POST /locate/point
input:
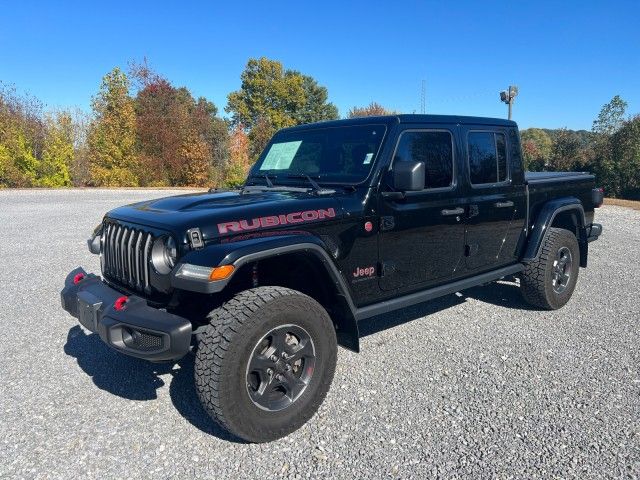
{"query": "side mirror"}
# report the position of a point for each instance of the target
(408, 176)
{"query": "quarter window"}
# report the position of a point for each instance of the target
(487, 157)
(435, 149)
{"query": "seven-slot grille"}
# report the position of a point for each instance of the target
(125, 255)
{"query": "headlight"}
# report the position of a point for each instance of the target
(94, 240)
(164, 254)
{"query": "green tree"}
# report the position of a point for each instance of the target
(280, 97)
(607, 145)
(374, 109)
(53, 169)
(267, 93)
(112, 134)
(611, 116)
(567, 152)
(317, 107)
(623, 179)
(271, 98)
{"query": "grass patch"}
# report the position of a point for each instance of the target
(634, 204)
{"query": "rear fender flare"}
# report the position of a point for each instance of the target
(543, 222)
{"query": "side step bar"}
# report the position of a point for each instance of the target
(426, 295)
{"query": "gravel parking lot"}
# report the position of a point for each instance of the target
(473, 385)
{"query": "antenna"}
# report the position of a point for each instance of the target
(423, 97)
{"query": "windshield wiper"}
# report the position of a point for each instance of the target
(266, 178)
(309, 179)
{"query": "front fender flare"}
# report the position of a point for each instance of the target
(246, 251)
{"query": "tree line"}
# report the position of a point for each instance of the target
(611, 150)
(145, 131)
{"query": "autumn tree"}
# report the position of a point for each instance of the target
(239, 162)
(374, 109)
(22, 134)
(57, 156)
(536, 148)
(259, 137)
(80, 167)
(181, 139)
(112, 134)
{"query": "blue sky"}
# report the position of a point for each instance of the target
(567, 57)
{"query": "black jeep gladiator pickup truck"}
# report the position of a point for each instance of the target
(337, 222)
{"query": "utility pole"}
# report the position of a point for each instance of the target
(423, 98)
(508, 96)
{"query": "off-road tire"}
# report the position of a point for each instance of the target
(227, 344)
(536, 282)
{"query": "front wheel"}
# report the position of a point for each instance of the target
(548, 281)
(265, 362)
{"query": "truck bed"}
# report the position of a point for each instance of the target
(544, 177)
(546, 186)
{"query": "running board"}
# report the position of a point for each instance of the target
(426, 295)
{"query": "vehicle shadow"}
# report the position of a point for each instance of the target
(504, 293)
(136, 379)
(378, 323)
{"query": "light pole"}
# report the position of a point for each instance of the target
(507, 96)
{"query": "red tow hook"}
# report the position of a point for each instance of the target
(78, 278)
(120, 302)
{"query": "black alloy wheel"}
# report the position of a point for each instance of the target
(265, 362)
(281, 367)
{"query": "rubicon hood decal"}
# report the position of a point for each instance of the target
(275, 220)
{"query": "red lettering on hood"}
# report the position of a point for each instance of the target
(273, 220)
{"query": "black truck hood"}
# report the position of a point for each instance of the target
(227, 213)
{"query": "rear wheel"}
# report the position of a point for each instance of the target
(548, 282)
(265, 362)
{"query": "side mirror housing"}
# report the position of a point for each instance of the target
(408, 176)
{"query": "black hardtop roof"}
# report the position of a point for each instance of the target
(408, 118)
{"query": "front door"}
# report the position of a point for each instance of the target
(422, 235)
(497, 204)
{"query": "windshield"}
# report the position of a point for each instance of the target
(331, 155)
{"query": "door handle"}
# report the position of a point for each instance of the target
(452, 211)
(503, 204)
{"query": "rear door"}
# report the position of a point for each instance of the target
(497, 204)
(422, 235)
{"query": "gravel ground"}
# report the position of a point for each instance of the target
(473, 385)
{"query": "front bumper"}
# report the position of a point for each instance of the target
(137, 329)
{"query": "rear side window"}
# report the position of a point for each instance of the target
(487, 157)
(434, 149)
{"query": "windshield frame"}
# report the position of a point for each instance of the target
(281, 178)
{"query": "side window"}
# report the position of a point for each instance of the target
(487, 157)
(435, 149)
